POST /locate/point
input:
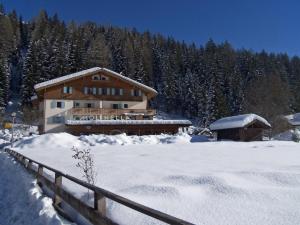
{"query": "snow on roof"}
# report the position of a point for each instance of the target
(88, 72)
(237, 121)
(294, 119)
(120, 122)
(67, 77)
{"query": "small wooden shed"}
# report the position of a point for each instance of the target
(246, 127)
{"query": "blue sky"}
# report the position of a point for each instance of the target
(270, 25)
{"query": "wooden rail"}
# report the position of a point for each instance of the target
(97, 213)
(104, 111)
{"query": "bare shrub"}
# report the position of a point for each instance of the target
(86, 164)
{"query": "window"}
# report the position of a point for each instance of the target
(90, 105)
(118, 91)
(60, 105)
(67, 90)
(104, 77)
(90, 90)
(113, 91)
(125, 106)
(58, 119)
(76, 104)
(115, 106)
(106, 91)
(86, 90)
(136, 93)
(96, 77)
(57, 104)
(94, 91)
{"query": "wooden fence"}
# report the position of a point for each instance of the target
(95, 214)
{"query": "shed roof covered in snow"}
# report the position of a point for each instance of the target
(91, 71)
(294, 119)
(238, 122)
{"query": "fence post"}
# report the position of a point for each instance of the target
(24, 161)
(29, 165)
(100, 203)
(39, 172)
(58, 184)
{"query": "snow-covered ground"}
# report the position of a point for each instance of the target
(204, 183)
(21, 201)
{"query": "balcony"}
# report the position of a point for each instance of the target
(100, 113)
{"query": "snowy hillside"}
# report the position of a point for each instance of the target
(204, 183)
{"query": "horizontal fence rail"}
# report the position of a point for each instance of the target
(97, 213)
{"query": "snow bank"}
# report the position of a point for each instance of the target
(65, 140)
(284, 136)
(236, 121)
(21, 199)
(204, 183)
(123, 139)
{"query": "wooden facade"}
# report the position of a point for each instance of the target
(78, 85)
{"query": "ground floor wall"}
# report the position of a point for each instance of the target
(140, 129)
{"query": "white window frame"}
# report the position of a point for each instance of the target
(67, 90)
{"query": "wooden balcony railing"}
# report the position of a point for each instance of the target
(108, 112)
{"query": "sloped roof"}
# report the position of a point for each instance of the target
(294, 119)
(237, 122)
(91, 71)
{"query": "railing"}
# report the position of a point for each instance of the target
(95, 214)
(117, 112)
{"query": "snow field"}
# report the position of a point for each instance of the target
(204, 183)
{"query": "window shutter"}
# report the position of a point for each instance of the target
(65, 90)
(140, 93)
(100, 91)
(121, 91)
(62, 105)
(53, 104)
(108, 91)
(132, 92)
(71, 90)
(113, 91)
